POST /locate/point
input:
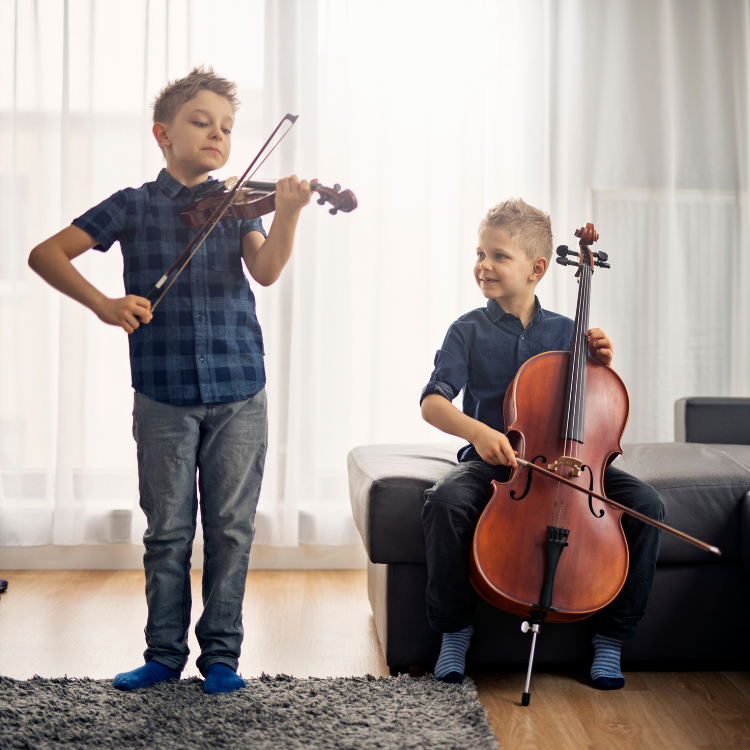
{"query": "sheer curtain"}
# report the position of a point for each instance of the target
(631, 114)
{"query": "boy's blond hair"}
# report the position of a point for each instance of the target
(169, 100)
(528, 226)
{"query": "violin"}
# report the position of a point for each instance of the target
(540, 550)
(254, 199)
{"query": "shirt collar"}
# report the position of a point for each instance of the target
(496, 313)
(173, 187)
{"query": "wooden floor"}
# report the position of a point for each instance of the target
(319, 623)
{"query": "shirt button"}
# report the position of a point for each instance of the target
(197, 277)
(200, 318)
(201, 358)
(521, 336)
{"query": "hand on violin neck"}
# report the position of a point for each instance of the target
(266, 259)
(292, 195)
(600, 345)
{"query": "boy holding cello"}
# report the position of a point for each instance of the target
(481, 355)
(197, 369)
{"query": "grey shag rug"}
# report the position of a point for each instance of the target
(280, 712)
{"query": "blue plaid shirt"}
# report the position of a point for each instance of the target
(204, 344)
(482, 352)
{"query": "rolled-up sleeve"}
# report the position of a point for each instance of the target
(105, 222)
(451, 370)
(252, 225)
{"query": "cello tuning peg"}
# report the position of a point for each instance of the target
(602, 264)
(601, 255)
(565, 262)
(562, 250)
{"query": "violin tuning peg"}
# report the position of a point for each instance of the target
(337, 187)
(321, 201)
(333, 211)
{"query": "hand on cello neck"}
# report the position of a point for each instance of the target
(600, 346)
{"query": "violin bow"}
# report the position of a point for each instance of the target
(634, 513)
(208, 227)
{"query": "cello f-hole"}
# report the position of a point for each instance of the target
(591, 489)
(528, 481)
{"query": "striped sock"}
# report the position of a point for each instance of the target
(605, 671)
(452, 660)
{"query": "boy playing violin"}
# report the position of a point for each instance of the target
(197, 370)
(480, 356)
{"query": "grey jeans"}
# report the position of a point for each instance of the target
(225, 444)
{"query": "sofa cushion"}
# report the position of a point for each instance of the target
(701, 487)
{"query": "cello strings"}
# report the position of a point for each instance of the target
(570, 400)
(567, 415)
(578, 365)
(582, 359)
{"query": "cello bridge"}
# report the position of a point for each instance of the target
(574, 463)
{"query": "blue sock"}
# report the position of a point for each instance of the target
(451, 663)
(222, 679)
(605, 671)
(151, 672)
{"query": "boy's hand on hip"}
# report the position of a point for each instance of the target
(600, 345)
(125, 312)
(292, 194)
(494, 448)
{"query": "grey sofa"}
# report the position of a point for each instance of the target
(699, 606)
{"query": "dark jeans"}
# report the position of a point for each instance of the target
(451, 512)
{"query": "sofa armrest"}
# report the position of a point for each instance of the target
(386, 488)
(745, 533)
(712, 420)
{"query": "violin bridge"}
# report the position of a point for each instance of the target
(574, 464)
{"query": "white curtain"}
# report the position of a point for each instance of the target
(631, 114)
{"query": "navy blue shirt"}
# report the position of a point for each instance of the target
(204, 344)
(482, 352)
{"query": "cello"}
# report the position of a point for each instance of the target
(540, 550)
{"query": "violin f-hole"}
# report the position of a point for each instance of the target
(528, 481)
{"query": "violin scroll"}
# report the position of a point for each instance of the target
(344, 201)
